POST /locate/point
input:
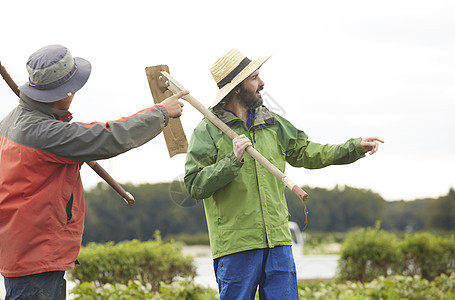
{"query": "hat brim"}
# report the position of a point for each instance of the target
(247, 71)
(70, 87)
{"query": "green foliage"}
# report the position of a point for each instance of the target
(136, 289)
(168, 208)
(109, 218)
(189, 239)
(186, 291)
(406, 215)
(441, 213)
(117, 291)
(369, 253)
(428, 255)
(393, 287)
(337, 210)
(152, 261)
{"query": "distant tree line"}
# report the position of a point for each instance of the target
(343, 209)
(168, 208)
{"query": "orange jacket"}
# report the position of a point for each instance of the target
(41, 194)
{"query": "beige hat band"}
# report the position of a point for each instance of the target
(228, 78)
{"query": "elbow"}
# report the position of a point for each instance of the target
(193, 191)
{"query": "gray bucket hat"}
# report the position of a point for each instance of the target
(54, 74)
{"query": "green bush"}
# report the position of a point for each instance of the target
(133, 290)
(136, 289)
(152, 261)
(393, 287)
(428, 255)
(369, 253)
(186, 291)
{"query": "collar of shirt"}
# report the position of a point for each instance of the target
(58, 114)
(249, 121)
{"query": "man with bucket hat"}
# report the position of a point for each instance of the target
(41, 193)
(246, 211)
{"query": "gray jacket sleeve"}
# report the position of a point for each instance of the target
(82, 142)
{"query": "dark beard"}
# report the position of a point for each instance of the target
(249, 99)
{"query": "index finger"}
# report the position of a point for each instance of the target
(182, 93)
(377, 139)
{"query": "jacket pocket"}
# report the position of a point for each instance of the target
(69, 207)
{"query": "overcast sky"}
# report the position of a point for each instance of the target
(339, 69)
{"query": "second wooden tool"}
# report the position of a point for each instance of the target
(176, 87)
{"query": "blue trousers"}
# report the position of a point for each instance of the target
(271, 269)
(46, 285)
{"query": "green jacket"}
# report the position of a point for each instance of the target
(244, 204)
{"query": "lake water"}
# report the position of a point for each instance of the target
(308, 267)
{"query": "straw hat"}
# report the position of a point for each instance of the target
(54, 74)
(232, 69)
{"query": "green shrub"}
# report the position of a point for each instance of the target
(393, 287)
(369, 253)
(186, 290)
(136, 289)
(133, 290)
(428, 255)
(152, 261)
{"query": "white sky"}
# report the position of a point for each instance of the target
(339, 69)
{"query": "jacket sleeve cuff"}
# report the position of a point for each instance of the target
(358, 149)
(234, 160)
(165, 113)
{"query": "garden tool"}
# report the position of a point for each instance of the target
(163, 83)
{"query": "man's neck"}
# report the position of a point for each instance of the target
(63, 104)
(240, 110)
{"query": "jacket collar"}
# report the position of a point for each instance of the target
(262, 116)
(57, 114)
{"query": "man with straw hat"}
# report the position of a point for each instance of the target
(41, 194)
(246, 211)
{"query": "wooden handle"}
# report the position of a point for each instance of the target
(296, 189)
(129, 199)
(93, 164)
(175, 87)
(9, 80)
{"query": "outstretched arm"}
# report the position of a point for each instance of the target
(369, 144)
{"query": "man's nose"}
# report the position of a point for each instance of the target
(260, 81)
